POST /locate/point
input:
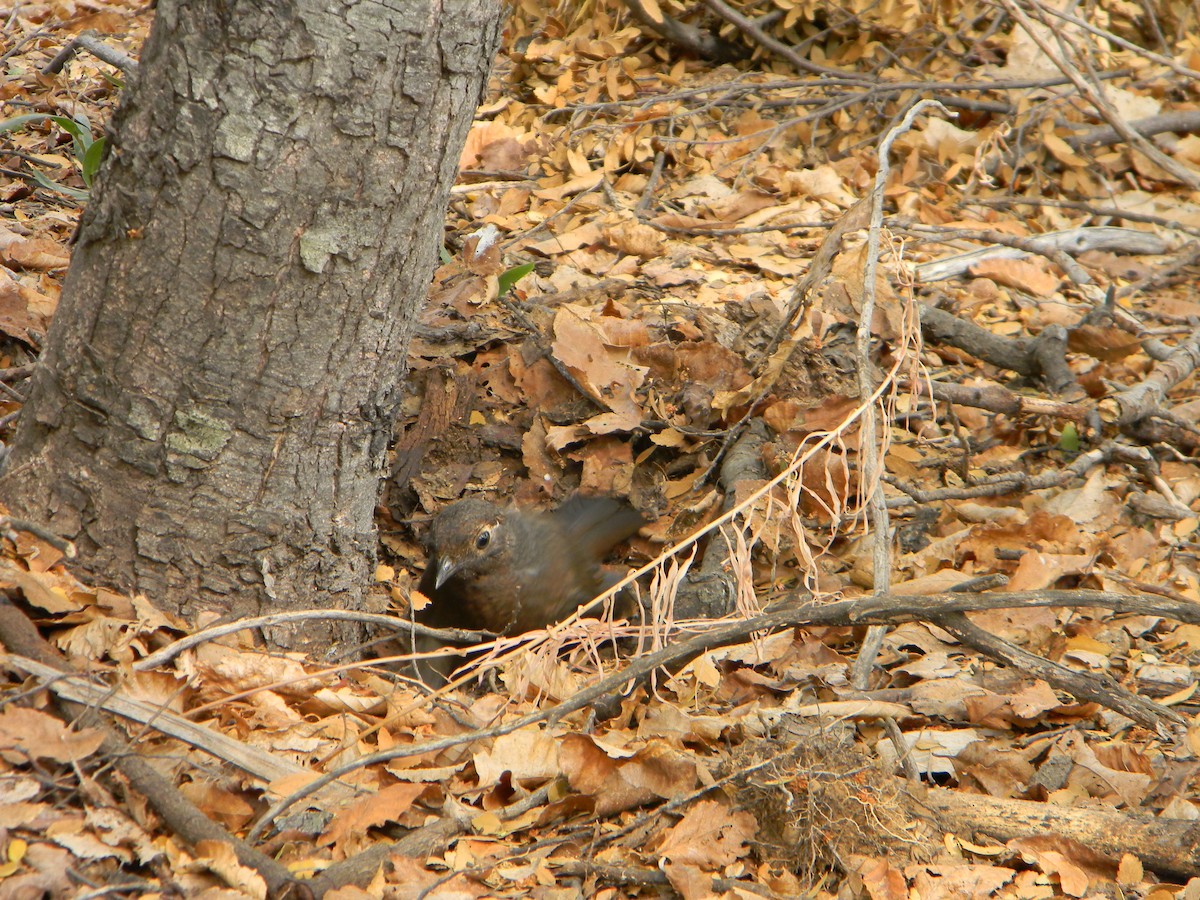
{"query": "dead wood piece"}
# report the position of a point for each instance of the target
(634, 876)
(774, 358)
(875, 507)
(606, 287)
(10, 526)
(1148, 397)
(1157, 507)
(394, 623)
(878, 609)
(1042, 357)
(702, 43)
(780, 49)
(448, 397)
(1002, 483)
(544, 348)
(1060, 54)
(18, 635)
(1102, 212)
(1167, 846)
(1186, 122)
(710, 592)
(617, 876)
(1049, 352)
(1170, 269)
(253, 760)
(16, 373)
(998, 399)
(1054, 245)
(90, 41)
(1102, 689)
(856, 217)
(361, 868)
(1153, 430)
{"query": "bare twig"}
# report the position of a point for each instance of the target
(870, 451)
(1054, 246)
(18, 635)
(90, 41)
(1092, 209)
(1187, 122)
(998, 399)
(1119, 41)
(1095, 95)
(879, 609)
(1147, 397)
(702, 43)
(1041, 357)
(1084, 687)
(780, 49)
(1007, 482)
(10, 526)
(395, 623)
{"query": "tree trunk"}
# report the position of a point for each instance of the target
(209, 419)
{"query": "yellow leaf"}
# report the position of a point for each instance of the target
(1130, 871)
(488, 823)
(307, 868)
(1179, 696)
(1062, 151)
(652, 10)
(16, 853)
(1193, 739)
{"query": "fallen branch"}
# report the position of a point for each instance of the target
(998, 399)
(882, 609)
(19, 636)
(1095, 94)
(1043, 357)
(1148, 397)
(253, 760)
(90, 41)
(871, 462)
(1187, 122)
(1168, 846)
(1054, 245)
(688, 37)
(1098, 689)
(780, 49)
(10, 526)
(395, 623)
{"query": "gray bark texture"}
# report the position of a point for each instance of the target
(210, 416)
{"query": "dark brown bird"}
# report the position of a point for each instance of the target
(509, 570)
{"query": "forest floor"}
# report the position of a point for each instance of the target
(654, 273)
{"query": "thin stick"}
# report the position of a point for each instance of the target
(91, 42)
(873, 468)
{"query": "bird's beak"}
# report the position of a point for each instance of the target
(446, 568)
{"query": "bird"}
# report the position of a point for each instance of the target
(509, 570)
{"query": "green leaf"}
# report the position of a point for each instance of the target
(80, 132)
(73, 193)
(78, 129)
(90, 164)
(21, 121)
(510, 277)
(1069, 441)
(88, 152)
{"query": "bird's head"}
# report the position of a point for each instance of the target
(464, 535)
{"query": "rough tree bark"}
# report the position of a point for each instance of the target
(208, 421)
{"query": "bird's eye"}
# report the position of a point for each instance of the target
(485, 538)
